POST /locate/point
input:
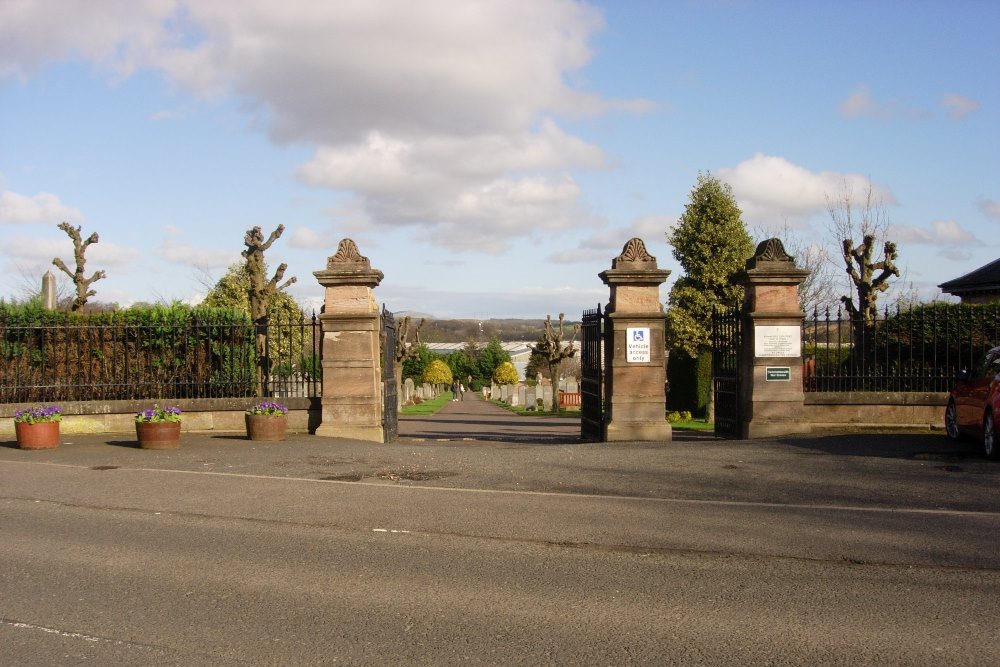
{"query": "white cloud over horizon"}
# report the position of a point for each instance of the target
(432, 115)
(773, 192)
(41, 208)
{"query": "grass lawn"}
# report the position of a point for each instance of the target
(427, 407)
(683, 425)
(693, 425)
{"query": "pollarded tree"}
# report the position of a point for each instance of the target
(552, 349)
(406, 349)
(80, 281)
(233, 291)
(505, 373)
(868, 271)
(437, 372)
(712, 244)
(261, 289)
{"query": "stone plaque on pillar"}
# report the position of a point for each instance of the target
(771, 396)
(352, 380)
(636, 377)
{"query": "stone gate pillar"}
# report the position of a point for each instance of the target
(771, 395)
(635, 375)
(352, 378)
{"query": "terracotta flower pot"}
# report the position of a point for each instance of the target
(158, 435)
(269, 428)
(40, 435)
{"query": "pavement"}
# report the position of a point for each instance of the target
(474, 444)
(483, 537)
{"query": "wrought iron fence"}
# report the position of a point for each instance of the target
(916, 349)
(87, 359)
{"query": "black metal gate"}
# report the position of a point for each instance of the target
(726, 349)
(390, 399)
(594, 332)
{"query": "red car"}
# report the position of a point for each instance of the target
(974, 404)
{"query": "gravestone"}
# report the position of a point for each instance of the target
(530, 398)
(547, 397)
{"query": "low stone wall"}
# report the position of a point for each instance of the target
(858, 410)
(204, 414)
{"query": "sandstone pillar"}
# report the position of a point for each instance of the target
(635, 378)
(352, 379)
(771, 396)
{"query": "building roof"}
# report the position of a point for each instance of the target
(984, 279)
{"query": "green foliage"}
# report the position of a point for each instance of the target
(690, 380)
(490, 358)
(505, 373)
(287, 352)
(437, 372)
(460, 365)
(674, 417)
(712, 245)
(414, 366)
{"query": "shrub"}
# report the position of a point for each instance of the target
(437, 372)
(690, 381)
(505, 373)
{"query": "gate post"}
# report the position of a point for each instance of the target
(771, 400)
(352, 380)
(635, 376)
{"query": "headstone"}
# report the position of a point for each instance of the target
(521, 389)
(49, 291)
(571, 386)
(409, 391)
(547, 397)
(530, 398)
(505, 393)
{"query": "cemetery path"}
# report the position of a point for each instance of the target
(478, 419)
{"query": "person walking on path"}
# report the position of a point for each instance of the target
(454, 390)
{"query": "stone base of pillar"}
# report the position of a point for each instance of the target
(351, 432)
(773, 429)
(648, 431)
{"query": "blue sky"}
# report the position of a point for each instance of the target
(489, 157)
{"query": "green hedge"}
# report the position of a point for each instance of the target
(690, 380)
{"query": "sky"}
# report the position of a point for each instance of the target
(489, 157)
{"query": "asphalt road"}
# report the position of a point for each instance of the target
(525, 548)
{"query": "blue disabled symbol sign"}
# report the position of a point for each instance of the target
(638, 349)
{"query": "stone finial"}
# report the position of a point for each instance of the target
(770, 254)
(347, 253)
(634, 252)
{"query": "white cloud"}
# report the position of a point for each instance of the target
(36, 254)
(941, 232)
(305, 238)
(39, 209)
(861, 104)
(990, 208)
(193, 256)
(773, 192)
(959, 106)
(606, 244)
(437, 114)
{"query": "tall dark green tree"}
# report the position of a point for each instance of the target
(712, 244)
(490, 357)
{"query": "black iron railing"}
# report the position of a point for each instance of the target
(87, 359)
(914, 349)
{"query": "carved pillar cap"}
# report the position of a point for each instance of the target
(348, 267)
(634, 266)
(771, 264)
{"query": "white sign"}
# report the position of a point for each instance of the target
(785, 341)
(638, 348)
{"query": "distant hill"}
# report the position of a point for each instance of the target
(463, 331)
